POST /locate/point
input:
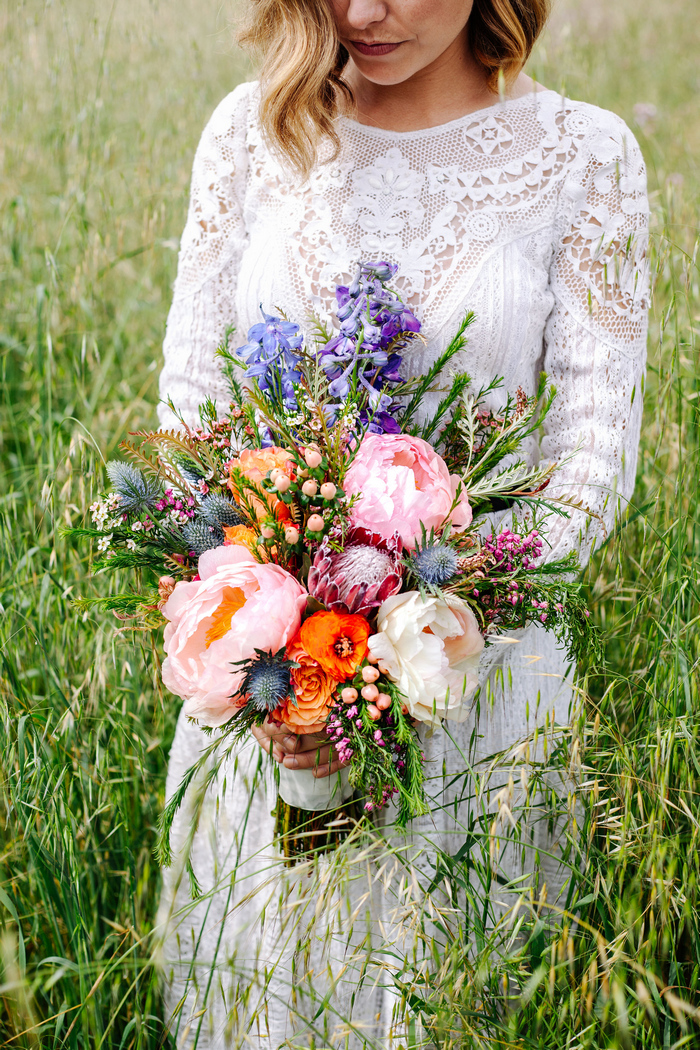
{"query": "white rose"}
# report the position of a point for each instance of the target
(431, 649)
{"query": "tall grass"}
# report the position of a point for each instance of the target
(101, 108)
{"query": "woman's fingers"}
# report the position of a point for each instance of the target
(317, 756)
(326, 771)
(269, 742)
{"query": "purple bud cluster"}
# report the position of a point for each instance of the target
(510, 551)
(357, 360)
(180, 508)
(269, 356)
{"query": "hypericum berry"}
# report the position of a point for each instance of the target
(283, 483)
(370, 674)
(328, 490)
(268, 532)
(291, 534)
(313, 458)
(348, 695)
(383, 701)
(315, 523)
(373, 712)
(310, 487)
(370, 692)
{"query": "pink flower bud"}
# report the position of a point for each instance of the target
(310, 487)
(370, 674)
(313, 458)
(328, 490)
(370, 692)
(348, 695)
(374, 713)
(291, 534)
(315, 523)
(267, 532)
(383, 701)
(282, 483)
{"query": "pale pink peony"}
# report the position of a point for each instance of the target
(403, 483)
(236, 607)
(431, 649)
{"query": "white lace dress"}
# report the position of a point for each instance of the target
(533, 214)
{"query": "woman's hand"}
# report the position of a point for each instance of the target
(308, 751)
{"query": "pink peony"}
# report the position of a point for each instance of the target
(236, 607)
(402, 483)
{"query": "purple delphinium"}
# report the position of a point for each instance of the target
(357, 359)
(270, 358)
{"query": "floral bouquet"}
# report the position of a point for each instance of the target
(321, 556)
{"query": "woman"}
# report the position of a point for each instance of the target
(402, 130)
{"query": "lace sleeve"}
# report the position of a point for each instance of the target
(210, 251)
(595, 336)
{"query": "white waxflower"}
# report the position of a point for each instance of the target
(137, 526)
(430, 647)
(104, 542)
(131, 545)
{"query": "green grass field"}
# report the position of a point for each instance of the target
(101, 107)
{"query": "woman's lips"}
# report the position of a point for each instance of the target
(374, 49)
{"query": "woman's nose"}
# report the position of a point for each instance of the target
(363, 13)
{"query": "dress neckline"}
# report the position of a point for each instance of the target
(436, 129)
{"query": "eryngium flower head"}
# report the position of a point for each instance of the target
(216, 510)
(435, 564)
(200, 536)
(136, 492)
(266, 682)
(360, 577)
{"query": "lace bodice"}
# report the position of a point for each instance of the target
(532, 213)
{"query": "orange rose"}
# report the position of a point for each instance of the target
(338, 641)
(255, 464)
(307, 710)
(241, 535)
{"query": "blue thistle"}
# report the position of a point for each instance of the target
(267, 680)
(199, 536)
(137, 493)
(434, 565)
(218, 511)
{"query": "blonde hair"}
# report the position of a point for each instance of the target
(302, 88)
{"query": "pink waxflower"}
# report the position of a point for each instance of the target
(403, 483)
(235, 607)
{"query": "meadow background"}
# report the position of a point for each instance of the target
(101, 107)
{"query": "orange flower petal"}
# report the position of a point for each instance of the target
(337, 641)
(234, 599)
(241, 535)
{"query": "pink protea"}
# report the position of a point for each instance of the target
(360, 577)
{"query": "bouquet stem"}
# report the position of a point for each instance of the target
(302, 833)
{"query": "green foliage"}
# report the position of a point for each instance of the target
(100, 114)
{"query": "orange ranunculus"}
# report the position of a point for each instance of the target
(338, 641)
(307, 710)
(255, 464)
(241, 535)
